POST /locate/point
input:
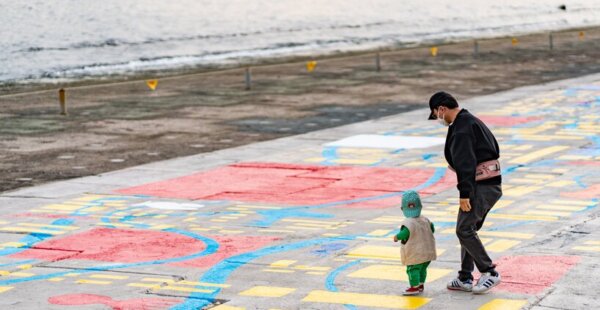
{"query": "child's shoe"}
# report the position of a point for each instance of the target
(421, 287)
(412, 291)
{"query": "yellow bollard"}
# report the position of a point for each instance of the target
(311, 65)
(581, 35)
(62, 99)
(434, 51)
(152, 84)
(514, 41)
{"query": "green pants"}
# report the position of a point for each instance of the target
(417, 273)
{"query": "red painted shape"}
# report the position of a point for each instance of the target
(291, 184)
(506, 121)
(588, 193)
(128, 304)
(532, 274)
(116, 245)
(228, 247)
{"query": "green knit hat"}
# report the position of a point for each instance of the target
(411, 204)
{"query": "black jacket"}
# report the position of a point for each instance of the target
(469, 142)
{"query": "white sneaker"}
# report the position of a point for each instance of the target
(457, 285)
(485, 283)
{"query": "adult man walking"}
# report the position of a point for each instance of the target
(472, 151)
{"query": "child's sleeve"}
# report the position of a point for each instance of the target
(432, 228)
(404, 234)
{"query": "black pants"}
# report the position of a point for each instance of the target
(472, 250)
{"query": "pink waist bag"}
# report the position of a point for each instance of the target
(486, 170)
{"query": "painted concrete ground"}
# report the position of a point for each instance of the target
(306, 222)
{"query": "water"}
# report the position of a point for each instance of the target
(55, 40)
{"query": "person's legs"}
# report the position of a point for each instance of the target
(469, 223)
(414, 275)
(466, 265)
(423, 274)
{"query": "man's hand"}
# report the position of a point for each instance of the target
(395, 238)
(465, 205)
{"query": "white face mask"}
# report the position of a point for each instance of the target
(442, 120)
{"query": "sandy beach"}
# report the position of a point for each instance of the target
(118, 122)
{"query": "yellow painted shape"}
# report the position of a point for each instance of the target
(587, 248)
(593, 242)
(521, 190)
(5, 288)
(303, 267)
(549, 213)
(185, 289)
(49, 226)
(72, 274)
(226, 307)
(13, 244)
(279, 270)
(304, 228)
(367, 300)
(62, 207)
(283, 263)
(379, 232)
(268, 291)
(25, 267)
(200, 229)
(501, 245)
(574, 202)
(4, 272)
(108, 276)
(574, 157)
(276, 230)
(160, 216)
(113, 224)
(84, 281)
(395, 273)
(562, 183)
(217, 220)
(561, 208)
(55, 279)
(331, 235)
(504, 304)
(32, 230)
(146, 285)
(521, 217)
(503, 204)
(316, 273)
(233, 232)
(95, 209)
(538, 154)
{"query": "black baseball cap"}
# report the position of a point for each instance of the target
(441, 98)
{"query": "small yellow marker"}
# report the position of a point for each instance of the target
(311, 65)
(434, 51)
(581, 35)
(152, 84)
(514, 41)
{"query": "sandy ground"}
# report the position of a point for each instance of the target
(121, 124)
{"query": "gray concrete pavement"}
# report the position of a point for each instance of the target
(306, 222)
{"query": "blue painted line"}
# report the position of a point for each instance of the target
(330, 280)
(221, 271)
(31, 239)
